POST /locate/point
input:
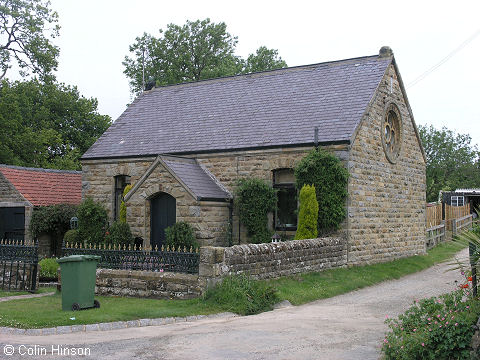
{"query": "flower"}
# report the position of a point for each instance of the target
(456, 324)
(414, 329)
(468, 307)
(469, 278)
(429, 319)
(161, 270)
(423, 344)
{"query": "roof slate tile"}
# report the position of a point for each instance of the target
(272, 108)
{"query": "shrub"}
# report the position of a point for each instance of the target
(53, 220)
(71, 237)
(308, 214)
(434, 328)
(123, 206)
(325, 171)
(254, 199)
(92, 222)
(48, 269)
(181, 234)
(243, 295)
(119, 233)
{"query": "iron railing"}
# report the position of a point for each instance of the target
(18, 265)
(135, 258)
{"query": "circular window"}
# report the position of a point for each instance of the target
(392, 133)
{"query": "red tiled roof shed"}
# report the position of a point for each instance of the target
(45, 186)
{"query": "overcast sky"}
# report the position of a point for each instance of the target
(96, 34)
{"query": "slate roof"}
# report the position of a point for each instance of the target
(267, 109)
(44, 186)
(202, 184)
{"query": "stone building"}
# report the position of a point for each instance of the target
(22, 189)
(183, 147)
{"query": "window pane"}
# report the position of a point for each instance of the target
(287, 206)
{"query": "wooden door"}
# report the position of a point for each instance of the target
(162, 215)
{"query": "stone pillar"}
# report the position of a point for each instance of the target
(210, 267)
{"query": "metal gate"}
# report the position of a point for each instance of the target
(18, 265)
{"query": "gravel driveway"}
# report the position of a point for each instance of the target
(349, 326)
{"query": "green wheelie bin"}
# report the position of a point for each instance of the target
(78, 273)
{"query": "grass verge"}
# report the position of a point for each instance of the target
(304, 288)
(15, 293)
(46, 311)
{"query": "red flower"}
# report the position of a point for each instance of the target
(464, 286)
(469, 278)
(107, 233)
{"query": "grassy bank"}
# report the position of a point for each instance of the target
(46, 311)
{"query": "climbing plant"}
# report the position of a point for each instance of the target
(254, 199)
(123, 206)
(326, 173)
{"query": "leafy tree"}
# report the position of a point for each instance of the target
(452, 160)
(195, 51)
(92, 222)
(308, 214)
(263, 59)
(46, 125)
(26, 30)
(326, 172)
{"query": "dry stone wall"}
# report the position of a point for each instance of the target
(386, 206)
(272, 260)
(148, 284)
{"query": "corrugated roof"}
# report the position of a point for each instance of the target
(274, 108)
(201, 184)
(44, 186)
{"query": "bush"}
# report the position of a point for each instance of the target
(243, 295)
(254, 199)
(119, 233)
(325, 171)
(181, 234)
(434, 328)
(53, 220)
(48, 269)
(123, 206)
(308, 214)
(71, 237)
(92, 222)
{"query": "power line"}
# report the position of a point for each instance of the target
(444, 60)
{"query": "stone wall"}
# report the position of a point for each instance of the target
(386, 205)
(148, 284)
(229, 167)
(272, 260)
(14, 276)
(210, 219)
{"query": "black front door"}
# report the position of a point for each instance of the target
(162, 215)
(12, 223)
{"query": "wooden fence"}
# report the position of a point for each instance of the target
(434, 215)
(463, 223)
(455, 212)
(435, 235)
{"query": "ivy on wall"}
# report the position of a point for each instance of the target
(326, 172)
(254, 199)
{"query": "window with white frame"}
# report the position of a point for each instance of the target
(458, 201)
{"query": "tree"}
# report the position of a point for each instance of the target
(263, 59)
(26, 30)
(46, 125)
(308, 214)
(195, 51)
(452, 161)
